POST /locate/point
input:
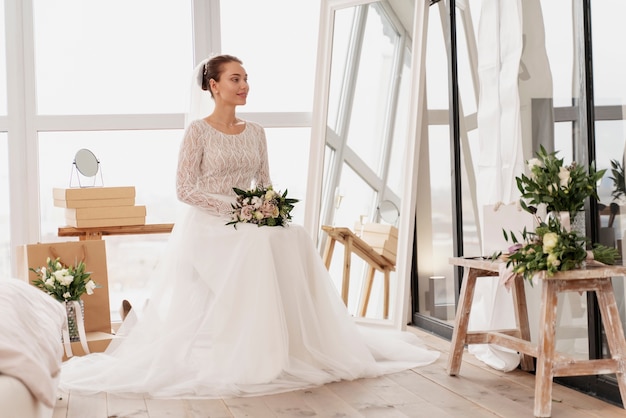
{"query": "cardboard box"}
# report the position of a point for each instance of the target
(387, 253)
(106, 212)
(382, 238)
(87, 193)
(96, 341)
(94, 203)
(375, 228)
(94, 223)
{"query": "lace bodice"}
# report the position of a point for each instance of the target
(212, 162)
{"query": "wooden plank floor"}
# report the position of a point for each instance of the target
(478, 391)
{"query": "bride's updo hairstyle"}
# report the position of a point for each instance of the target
(213, 69)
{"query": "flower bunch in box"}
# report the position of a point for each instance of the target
(64, 283)
(262, 206)
(562, 188)
(551, 249)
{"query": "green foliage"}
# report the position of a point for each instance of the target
(619, 183)
(64, 283)
(561, 188)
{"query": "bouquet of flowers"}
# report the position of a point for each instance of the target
(262, 206)
(561, 188)
(64, 283)
(551, 249)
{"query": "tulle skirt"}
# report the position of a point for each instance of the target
(239, 312)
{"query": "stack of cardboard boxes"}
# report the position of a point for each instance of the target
(92, 207)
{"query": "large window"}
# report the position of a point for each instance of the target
(278, 53)
(112, 57)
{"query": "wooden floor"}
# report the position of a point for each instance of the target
(478, 391)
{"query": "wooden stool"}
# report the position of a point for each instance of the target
(550, 364)
(354, 244)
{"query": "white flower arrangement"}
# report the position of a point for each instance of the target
(64, 283)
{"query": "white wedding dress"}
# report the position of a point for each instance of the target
(237, 311)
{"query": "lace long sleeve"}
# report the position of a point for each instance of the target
(190, 187)
(262, 177)
(211, 163)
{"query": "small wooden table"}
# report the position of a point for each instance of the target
(85, 234)
(354, 244)
(550, 364)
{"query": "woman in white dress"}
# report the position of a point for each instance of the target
(237, 311)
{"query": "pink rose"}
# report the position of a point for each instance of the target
(246, 213)
(269, 209)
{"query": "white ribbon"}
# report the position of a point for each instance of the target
(565, 220)
(65, 335)
(80, 325)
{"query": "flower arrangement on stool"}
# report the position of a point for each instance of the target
(563, 189)
(550, 249)
(555, 245)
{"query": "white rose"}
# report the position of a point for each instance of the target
(90, 286)
(269, 195)
(257, 202)
(63, 277)
(534, 162)
(550, 240)
(67, 295)
(553, 260)
(49, 282)
(564, 176)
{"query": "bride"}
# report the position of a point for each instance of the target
(236, 311)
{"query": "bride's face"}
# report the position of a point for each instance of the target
(233, 85)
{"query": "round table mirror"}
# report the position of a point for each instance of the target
(86, 162)
(388, 211)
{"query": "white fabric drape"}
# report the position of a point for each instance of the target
(501, 159)
(500, 138)
(513, 70)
